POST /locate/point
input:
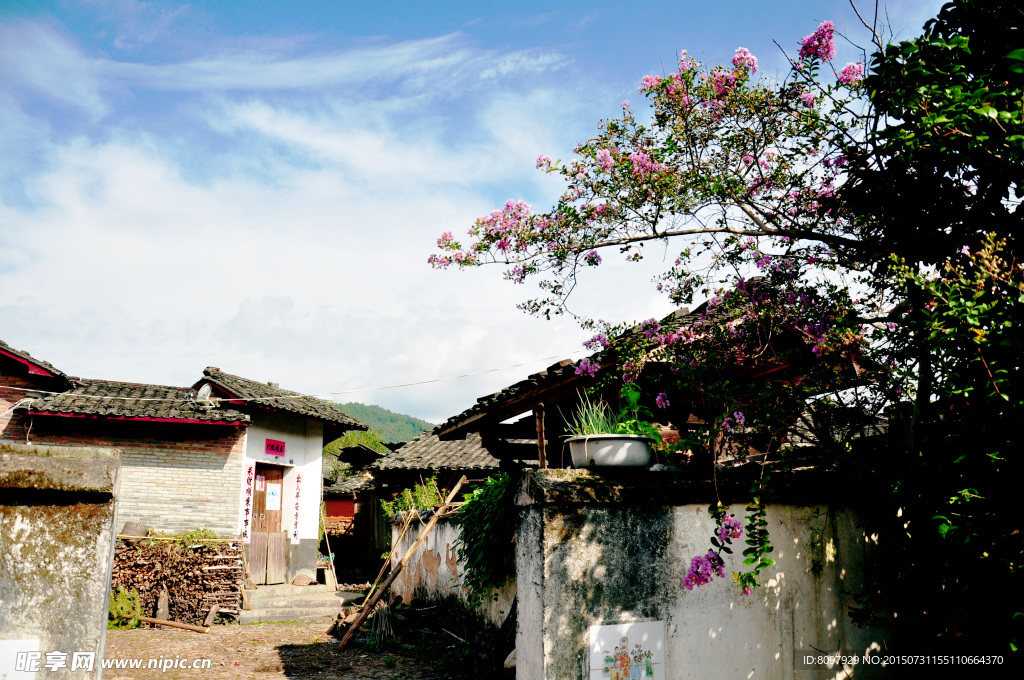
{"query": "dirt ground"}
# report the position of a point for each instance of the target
(299, 651)
(440, 640)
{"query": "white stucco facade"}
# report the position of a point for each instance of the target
(302, 438)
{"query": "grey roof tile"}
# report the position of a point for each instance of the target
(357, 482)
(427, 452)
(108, 398)
(274, 397)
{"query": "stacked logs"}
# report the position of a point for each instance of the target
(195, 577)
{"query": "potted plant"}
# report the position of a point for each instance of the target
(600, 437)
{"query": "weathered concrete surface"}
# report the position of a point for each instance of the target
(56, 468)
(57, 528)
(585, 560)
(434, 572)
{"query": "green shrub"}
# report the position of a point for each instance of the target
(423, 496)
(125, 609)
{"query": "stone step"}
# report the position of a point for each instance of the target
(324, 614)
(285, 589)
(331, 600)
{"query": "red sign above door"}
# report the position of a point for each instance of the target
(274, 448)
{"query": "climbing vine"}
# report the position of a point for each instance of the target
(486, 544)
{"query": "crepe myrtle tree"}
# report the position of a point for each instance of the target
(854, 233)
(741, 173)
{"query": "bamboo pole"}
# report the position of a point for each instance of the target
(369, 604)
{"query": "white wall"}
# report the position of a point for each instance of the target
(613, 564)
(303, 438)
(434, 571)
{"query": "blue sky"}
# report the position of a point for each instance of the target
(257, 185)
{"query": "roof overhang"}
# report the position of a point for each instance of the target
(33, 367)
(138, 419)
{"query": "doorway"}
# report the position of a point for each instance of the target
(268, 545)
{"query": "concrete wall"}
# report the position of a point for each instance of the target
(57, 526)
(600, 554)
(434, 572)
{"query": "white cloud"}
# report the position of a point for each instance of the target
(35, 56)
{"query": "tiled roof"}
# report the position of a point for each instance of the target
(427, 452)
(558, 379)
(26, 358)
(515, 399)
(132, 400)
(274, 397)
(355, 483)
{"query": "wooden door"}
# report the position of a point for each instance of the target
(268, 551)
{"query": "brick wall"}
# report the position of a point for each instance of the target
(174, 477)
(13, 426)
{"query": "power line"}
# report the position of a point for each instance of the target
(78, 395)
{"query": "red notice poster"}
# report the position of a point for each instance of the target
(274, 448)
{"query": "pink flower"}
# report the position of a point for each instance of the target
(662, 400)
(544, 162)
(643, 165)
(808, 98)
(625, 103)
(592, 258)
(852, 73)
(604, 159)
(586, 367)
(703, 569)
(820, 44)
(685, 63)
(649, 83)
(744, 59)
(730, 528)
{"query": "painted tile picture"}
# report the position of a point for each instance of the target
(628, 651)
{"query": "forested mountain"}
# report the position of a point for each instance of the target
(395, 427)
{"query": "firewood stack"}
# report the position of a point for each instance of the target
(196, 577)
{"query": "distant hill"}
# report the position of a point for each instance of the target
(396, 427)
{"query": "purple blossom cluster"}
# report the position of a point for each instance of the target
(643, 165)
(730, 529)
(662, 400)
(605, 160)
(649, 84)
(650, 328)
(744, 60)
(599, 340)
(852, 73)
(586, 367)
(703, 569)
(733, 421)
(820, 44)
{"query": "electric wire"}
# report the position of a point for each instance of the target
(297, 395)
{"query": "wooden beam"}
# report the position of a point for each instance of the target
(174, 624)
(538, 414)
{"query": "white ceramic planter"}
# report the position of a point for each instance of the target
(610, 449)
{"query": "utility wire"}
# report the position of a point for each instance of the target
(78, 395)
